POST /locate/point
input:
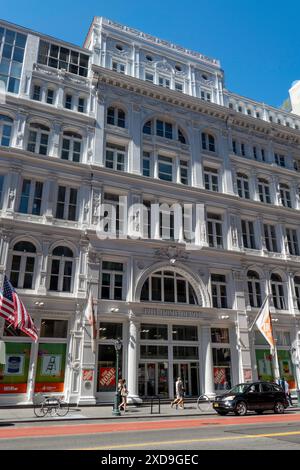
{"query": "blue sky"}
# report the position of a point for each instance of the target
(257, 42)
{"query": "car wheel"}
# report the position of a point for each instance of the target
(241, 409)
(223, 413)
(259, 412)
(278, 407)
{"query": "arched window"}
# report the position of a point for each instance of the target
(22, 265)
(38, 138)
(116, 117)
(61, 269)
(278, 292)
(71, 146)
(164, 129)
(6, 124)
(254, 289)
(208, 142)
(168, 286)
(147, 129)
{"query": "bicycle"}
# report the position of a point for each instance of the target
(204, 403)
(47, 405)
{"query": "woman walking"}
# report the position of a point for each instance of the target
(179, 394)
(124, 393)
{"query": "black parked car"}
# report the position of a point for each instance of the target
(256, 396)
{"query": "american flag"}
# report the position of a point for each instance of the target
(14, 311)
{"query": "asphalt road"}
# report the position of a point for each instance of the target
(263, 432)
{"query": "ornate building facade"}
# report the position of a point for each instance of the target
(131, 119)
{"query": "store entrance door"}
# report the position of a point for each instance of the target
(189, 373)
(153, 379)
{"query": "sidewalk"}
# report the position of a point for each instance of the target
(26, 415)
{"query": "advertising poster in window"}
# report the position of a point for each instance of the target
(107, 379)
(14, 374)
(220, 378)
(264, 365)
(51, 363)
(286, 368)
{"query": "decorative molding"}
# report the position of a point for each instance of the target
(172, 253)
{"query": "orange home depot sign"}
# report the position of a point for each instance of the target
(87, 375)
(107, 376)
(49, 387)
(219, 375)
(13, 388)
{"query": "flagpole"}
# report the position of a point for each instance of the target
(274, 353)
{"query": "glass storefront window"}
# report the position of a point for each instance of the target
(185, 352)
(154, 332)
(153, 379)
(110, 330)
(54, 329)
(220, 335)
(222, 368)
(14, 374)
(185, 333)
(50, 371)
(107, 368)
(149, 352)
(283, 338)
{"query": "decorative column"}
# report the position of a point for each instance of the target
(5, 237)
(133, 350)
(55, 139)
(209, 388)
(134, 157)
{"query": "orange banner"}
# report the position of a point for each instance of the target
(13, 388)
(49, 387)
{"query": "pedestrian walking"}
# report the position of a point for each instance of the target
(287, 392)
(179, 400)
(124, 394)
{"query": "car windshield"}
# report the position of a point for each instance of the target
(240, 388)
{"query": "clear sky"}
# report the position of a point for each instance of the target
(256, 41)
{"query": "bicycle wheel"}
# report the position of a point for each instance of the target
(204, 403)
(40, 410)
(62, 408)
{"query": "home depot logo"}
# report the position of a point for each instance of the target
(107, 376)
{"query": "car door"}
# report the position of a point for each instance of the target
(253, 397)
(268, 396)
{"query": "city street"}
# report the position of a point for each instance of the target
(179, 433)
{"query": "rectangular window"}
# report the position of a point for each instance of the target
(184, 333)
(248, 234)
(222, 368)
(111, 224)
(214, 226)
(60, 57)
(31, 197)
(218, 288)
(146, 164)
(270, 238)
(68, 101)
(211, 179)
(165, 168)
(154, 332)
(149, 77)
(115, 157)
(66, 203)
(36, 93)
(243, 186)
(54, 329)
(292, 241)
(12, 48)
(112, 280)
(50, 96)
(184, 168)
(220, 335)
(185, 352)
(118, 67)
(179, 87)
(81, 105)
(264, 191)
(279, 159)
(151, 352)
(109, 330)
(165, 82)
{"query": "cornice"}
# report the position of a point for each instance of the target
(193, 104)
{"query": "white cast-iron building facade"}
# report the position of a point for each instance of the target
(130, 119)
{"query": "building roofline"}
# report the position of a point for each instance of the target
(8, 24)
(153, 40)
